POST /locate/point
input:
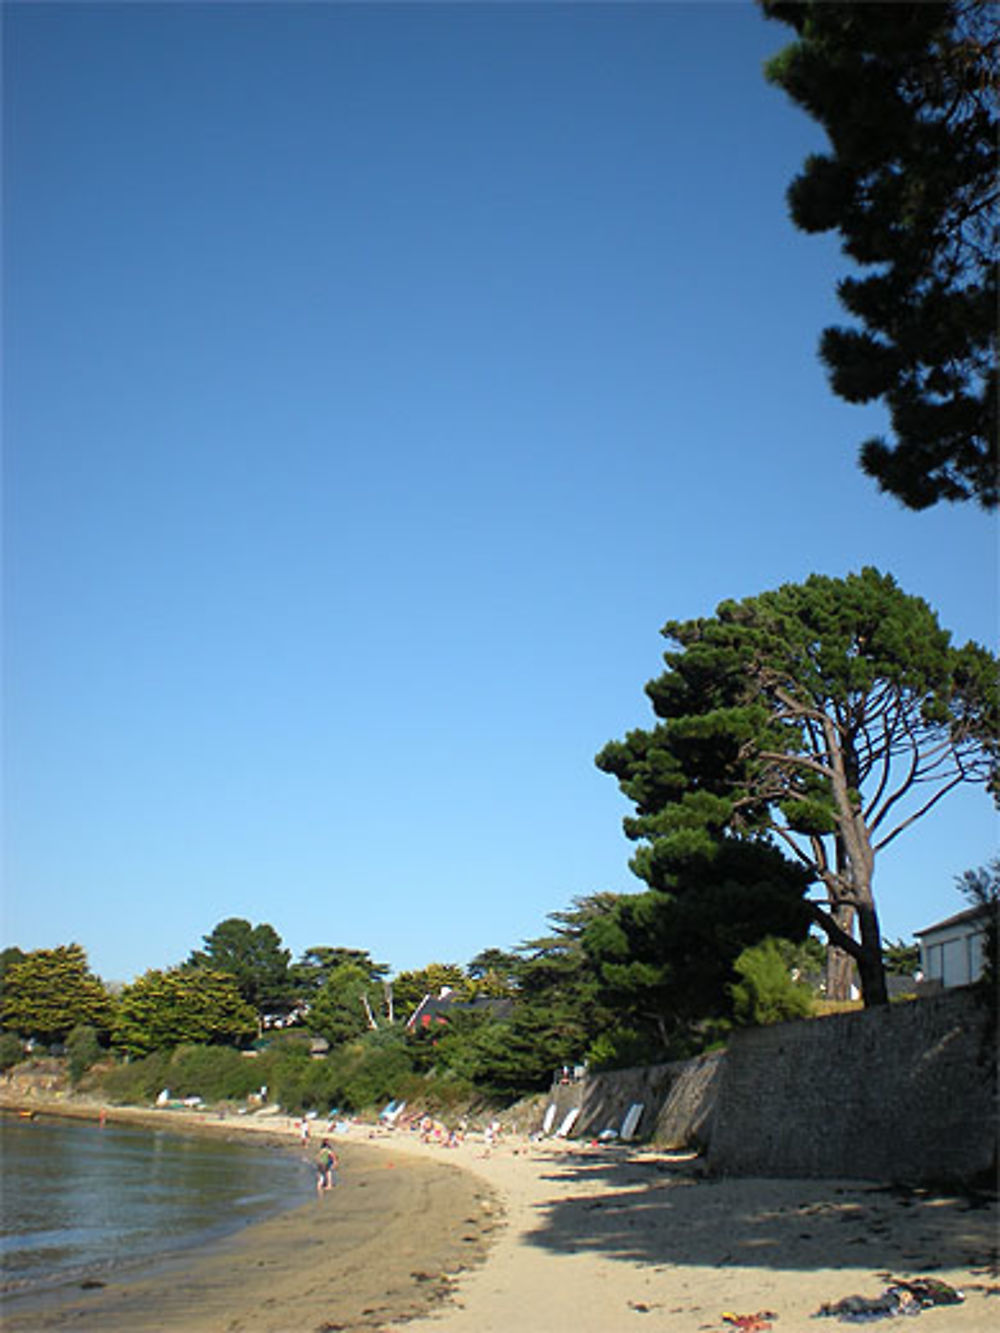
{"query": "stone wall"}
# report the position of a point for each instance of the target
(901, 1093)
(686, 1116)
(677, 1101)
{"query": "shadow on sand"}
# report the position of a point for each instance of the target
(659, 1211)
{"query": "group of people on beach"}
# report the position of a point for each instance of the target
(433, 1131)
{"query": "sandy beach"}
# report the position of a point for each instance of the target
(600, 1239)
(553, 1236)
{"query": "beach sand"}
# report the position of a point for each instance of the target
(599, 1240)
(388, 1241)
(577, 1239)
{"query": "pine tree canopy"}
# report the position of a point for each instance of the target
(823, 718)
(907, 95)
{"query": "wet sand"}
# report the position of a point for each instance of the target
(388, 1242)
(577, 1238)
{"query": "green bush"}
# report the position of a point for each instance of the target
(371, 1070)
(281, 1067)
(82, 1050)
(354, 1077)
(215, 1073)
(11, 1050)
(766, 992)
(623, 1048)
(137, 1081)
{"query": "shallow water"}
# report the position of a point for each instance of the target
(78, 1201)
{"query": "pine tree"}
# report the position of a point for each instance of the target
(907, 95)
(824, 719)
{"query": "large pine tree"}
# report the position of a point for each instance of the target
(823, 718)
(907, 94)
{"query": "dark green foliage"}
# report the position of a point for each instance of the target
(11, 1051)
(666, 957)
(345, 1005)
(371, 1071)
(494, 972)
(622, 1047)
(216, 1073)
(805, 957)
(766, 991)
(823, 717)
(505, 1057)
(8, 957)
(901, 959)
(318, 963)
(557, 1013)
(311, 1085)
(357, 1075)
(83, 1049)
(138, 1081)
(561, 1003)
(48, 992)
(907, 95)
(163, 1010)
(253, 956)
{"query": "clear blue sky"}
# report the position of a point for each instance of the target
(378, 380)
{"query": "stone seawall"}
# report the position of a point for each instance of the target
(677, 1101)
(903, 1093)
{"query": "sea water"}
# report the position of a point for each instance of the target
(79, 1202)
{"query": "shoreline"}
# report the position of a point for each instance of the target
(575, 1238)
(350, 1260)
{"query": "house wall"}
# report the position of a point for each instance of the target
(954, 957)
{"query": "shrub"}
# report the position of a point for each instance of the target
(371, 1070)
(82, 1050)
(216, 1073)
(623, 1048)
(136, 1081)
(11, 1050)
(766, 992)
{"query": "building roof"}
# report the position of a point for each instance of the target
(434, 1008)
(970, 915)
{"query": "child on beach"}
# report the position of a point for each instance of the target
(326, 1168)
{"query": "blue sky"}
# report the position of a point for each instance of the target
(378, 380)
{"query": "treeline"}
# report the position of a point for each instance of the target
(511, 1017)
(796, 736)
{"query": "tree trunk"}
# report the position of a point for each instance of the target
(870, 964)
(856, 863)
(840, 969)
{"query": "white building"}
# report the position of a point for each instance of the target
(951, 952)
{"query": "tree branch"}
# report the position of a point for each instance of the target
(928, 805)
(833, 932)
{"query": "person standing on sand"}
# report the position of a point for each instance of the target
(326, 1168)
